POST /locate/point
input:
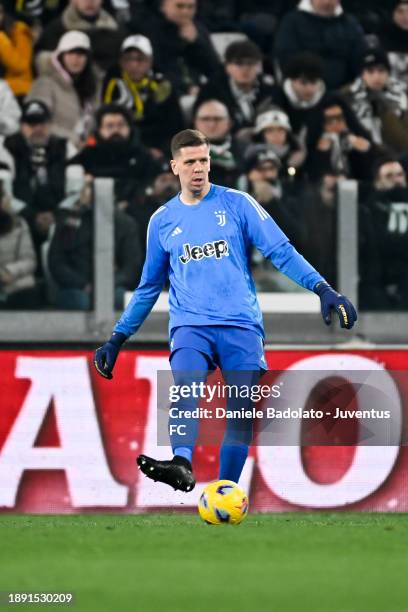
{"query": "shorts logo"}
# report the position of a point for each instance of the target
(217, 249)
(220, 214)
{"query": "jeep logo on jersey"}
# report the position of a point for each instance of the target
(217, 249)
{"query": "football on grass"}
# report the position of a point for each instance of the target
(223, 502)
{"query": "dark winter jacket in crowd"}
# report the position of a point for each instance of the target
(128, 162)
(319, 222)
(29, 11)
(281, 201)
(242, 108)
(300, 114)
(338, 40)
(180, 61)
(284, 211)
(105, 34)
(71, 252)
(152, 102)
(233, 15)
(383, 238)
(389, 214)
(39, 171)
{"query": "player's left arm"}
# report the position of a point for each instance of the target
(263, 232)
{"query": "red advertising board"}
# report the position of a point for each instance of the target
(68, 441)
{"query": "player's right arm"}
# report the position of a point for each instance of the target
(154, 275)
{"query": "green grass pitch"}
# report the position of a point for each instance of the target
(320, 562)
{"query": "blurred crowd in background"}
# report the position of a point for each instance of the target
(293, 96)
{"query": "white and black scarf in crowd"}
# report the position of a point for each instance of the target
(363, 103)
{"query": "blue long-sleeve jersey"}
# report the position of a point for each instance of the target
(204, 251)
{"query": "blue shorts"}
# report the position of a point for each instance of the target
(226, 346)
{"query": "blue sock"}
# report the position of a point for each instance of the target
(184, 451)
(232, 460)
(188, 365)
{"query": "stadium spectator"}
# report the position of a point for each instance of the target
(10, 111)
(17, 259)
(116, 152)
(89, 17)
(70, 256)
(302, 90)
(383, 236)
(255, 18)
(39, 167)
(68, 86)
(262, 181)
(394, 39)
(37, 13)
(273, 7)
(243, 15)
(213, 120)
(322, 27)
(220, 16)
(380, 102)
(164, 187)
(272, 127)
(16, 49)
(242, 86)
(338, 143)
(319, 211)
(149, 96)
(183, 51)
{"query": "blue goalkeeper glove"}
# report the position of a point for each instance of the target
(331, 300)
(106, 355)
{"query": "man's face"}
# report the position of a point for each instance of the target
(304, 88)
(334, 120)
(180, 12)
(400, 16)
(192, 166)
(89, 8)
(36, 134)
(114, 127)
(213, 120)
(136, 64)
(325, 8)
(376, 78)
(244, 72)
(390, 175)
(274, 135)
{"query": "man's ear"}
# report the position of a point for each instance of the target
(173, 166)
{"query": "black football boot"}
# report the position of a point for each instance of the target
(177, 473)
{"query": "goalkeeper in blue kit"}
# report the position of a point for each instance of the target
(201, 240)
